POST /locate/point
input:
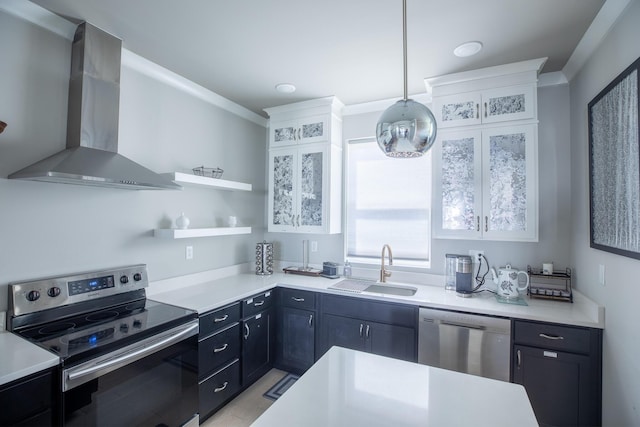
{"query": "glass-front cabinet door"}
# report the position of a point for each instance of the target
(299, 131)
(508, 103)
(457, 185)
(282, 203)
(485, 184)
(457, 110)
(298, 181)
(510, 183)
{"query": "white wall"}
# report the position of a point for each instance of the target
(48, 229)
(621, 370)
(554, 185)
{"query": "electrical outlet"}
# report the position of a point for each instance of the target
(314, 246)
(475, 255)
(188, 252)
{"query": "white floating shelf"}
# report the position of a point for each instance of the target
(174, 233)
(203, 181)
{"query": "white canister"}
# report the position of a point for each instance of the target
(232, 221)
(182, 222)
(547, 268)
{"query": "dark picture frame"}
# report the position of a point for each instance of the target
(614, 165)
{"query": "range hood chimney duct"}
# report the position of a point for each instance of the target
(91, 156)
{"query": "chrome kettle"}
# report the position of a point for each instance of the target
(507, 282)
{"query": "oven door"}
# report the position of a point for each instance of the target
(153, 382)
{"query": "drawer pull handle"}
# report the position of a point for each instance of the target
(310, 320)
(367, 333)
(519, 359)
(361, 326)
(258, 304)
(296, 299)
(219, 349)
(246, 329)
(221, 319)
(219, 389)
(551, 337)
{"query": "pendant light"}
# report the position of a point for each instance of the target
(407, 128)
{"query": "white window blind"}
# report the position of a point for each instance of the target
(387, 201)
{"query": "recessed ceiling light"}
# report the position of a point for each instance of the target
(285, 88)
(467, 49)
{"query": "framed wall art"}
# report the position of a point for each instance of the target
(614, 165)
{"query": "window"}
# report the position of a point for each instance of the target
(387, 201)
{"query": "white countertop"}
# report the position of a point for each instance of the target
(19, 358)
(351, 388)
(213, 294)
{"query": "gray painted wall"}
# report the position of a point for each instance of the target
(48, 229)
(621, 370)
(554, 188)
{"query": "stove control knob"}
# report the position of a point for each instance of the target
(53, 292)
(33, 295)
(124, 280)
(137, 323)
(137, 277)
(124, 328)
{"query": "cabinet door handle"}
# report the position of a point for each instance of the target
(258, 304)
(296, 299)
(246, 331)
(298, 220)
(367, 332)
(485, 110)
(361, 326)
(478, 226)
(486, 223)
(551, 337)
(219, 349)
(310, 320)
(221, 319)
(477, 111)
(519, 357)
(219, 389)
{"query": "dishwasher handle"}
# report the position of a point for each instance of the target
(463, 325)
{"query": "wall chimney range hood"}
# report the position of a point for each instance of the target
(91, 155)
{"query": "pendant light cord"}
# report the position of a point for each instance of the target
(404, 45)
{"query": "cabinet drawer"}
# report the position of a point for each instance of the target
(358, 308)
(35, 410)
(219, 349)
(257, 303)
(552, 336)
(219, 319)
(304, 300)
(219, 388)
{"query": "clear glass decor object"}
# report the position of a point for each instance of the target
(406, 129)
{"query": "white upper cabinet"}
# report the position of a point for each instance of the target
(306, 130)
(490, 106)
(486, 153)
(305, 167)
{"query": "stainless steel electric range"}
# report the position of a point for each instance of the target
(125, 360)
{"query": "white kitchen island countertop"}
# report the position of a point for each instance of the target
(19, 358)
(350, 388)
(209, 295)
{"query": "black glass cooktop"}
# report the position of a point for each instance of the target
(102, 330)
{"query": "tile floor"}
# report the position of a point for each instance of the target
(247, 406)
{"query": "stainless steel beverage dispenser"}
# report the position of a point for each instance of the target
(459, 274)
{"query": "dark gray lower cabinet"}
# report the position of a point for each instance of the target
(561, 369)
(257, 345)
(29, 401)
(387, 329)
(296, 330)
(218, 358)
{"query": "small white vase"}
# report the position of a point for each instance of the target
(182, 222)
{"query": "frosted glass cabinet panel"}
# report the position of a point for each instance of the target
(300, 180)
(488, 106)
(458, 184)
(486, 184)
(300, 131)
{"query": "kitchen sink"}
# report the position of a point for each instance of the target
(359, 286)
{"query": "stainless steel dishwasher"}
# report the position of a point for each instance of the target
(474, 344)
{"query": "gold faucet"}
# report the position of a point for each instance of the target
(384, 273)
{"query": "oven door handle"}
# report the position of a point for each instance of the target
(136, 354)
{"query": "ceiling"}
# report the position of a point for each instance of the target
(352, 49)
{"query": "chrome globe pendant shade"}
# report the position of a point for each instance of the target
(407, 128)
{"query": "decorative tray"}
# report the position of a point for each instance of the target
(303, 271)
(208, 172)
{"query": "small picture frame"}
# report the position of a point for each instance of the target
(614, 165)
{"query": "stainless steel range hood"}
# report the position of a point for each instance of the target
(91, 156)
